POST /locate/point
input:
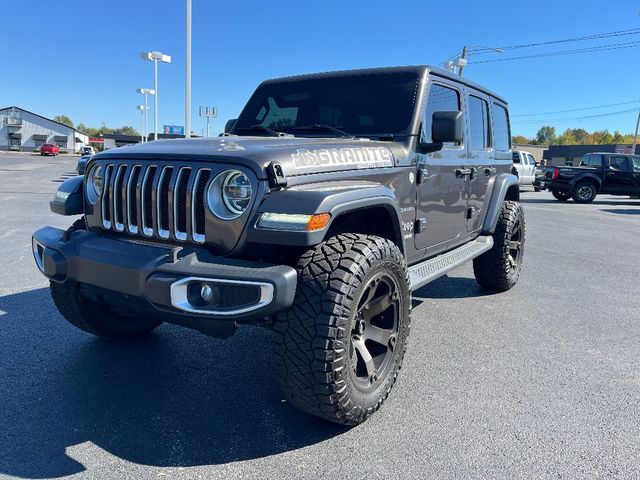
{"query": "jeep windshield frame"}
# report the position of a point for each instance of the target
(377, 104)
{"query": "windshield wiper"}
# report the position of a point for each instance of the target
(326, 127)
(260, 128)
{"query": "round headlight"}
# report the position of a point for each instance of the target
(229, 194)
(95, 183)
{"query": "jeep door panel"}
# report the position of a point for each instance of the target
(480, 158)
(441, 202)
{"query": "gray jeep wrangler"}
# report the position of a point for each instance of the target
(326, 203)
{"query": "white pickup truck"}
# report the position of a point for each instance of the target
(525, 165)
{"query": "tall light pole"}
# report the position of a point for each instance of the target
(142, 109)
(155, 57)
(187, 87)
(146, 92)
(635, 137)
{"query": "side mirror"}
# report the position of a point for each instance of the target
(447, 127)
(229, 125)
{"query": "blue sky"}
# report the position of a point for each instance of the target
(66, 57)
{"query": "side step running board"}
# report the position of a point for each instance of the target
(427, 271)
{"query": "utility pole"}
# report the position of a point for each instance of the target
(187, 99)
(462, 63)
(635, 137)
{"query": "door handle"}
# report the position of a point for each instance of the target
(463, 172)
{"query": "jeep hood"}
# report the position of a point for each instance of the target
(296, 155)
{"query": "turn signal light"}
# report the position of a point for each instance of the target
(318, 221)
(294, 221)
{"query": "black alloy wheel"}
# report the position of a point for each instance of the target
(375, 331)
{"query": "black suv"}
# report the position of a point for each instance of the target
(610, 173)
(332, 197)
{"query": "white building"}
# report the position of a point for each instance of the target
(22, 130)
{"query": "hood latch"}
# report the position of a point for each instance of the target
(276, 176)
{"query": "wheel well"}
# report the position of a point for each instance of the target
(513, 193)
(378, 221)
(587, 179)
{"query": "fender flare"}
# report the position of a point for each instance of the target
(68, 199)
(330, 198)
(585, 176)
(505, 184)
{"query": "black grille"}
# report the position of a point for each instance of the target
(235, 296)
(155, 201)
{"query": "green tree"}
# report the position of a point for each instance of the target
(521, 140)
(126, 130)
(546, 135)
(64, 120)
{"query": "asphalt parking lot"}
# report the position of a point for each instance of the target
(540, 382)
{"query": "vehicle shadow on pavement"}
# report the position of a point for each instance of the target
(622, 211)
(623, 201)
(174, 399)
(450, 287)
(65, 176)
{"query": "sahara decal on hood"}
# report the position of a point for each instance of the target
(361, 157)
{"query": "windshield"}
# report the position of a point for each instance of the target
(360, 105)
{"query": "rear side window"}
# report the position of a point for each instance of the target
(501, 131)
(479, 123)
(440, 99)
(516, 157)
(592, 161)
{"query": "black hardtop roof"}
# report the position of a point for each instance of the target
(418, 69)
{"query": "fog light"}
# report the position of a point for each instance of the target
(206, 293)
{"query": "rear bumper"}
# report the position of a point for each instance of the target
(167, 279)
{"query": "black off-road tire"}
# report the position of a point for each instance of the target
(96, 317)
(558, 195)
(318, 341)
(499, 268)
(585, 191)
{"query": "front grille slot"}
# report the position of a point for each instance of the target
(117, 195)
(131, 200)
(198, 202)
(155, 201)
(162, 203)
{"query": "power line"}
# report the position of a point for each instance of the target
(574, 109)
(619, 33)
(614, 46)
(574, 119)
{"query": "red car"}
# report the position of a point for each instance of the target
(49, 149)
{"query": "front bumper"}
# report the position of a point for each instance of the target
(166, 279)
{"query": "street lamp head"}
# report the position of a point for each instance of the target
(149, 91)
(140, 107)
(161, 57)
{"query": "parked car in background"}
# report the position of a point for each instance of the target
(525, 165)
(610, 173)
(49, 149)
(82, 164)
(540, 176)
(87, 151)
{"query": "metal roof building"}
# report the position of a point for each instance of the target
(22, 130)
